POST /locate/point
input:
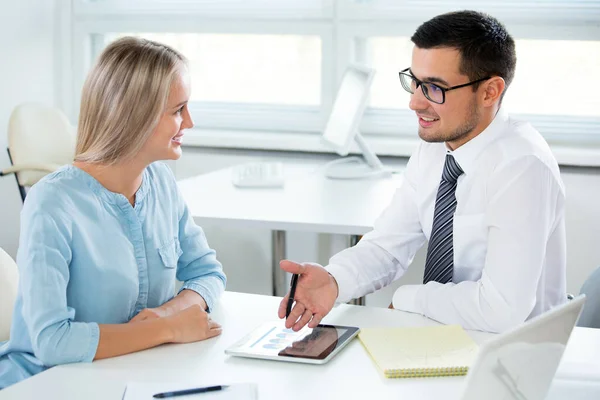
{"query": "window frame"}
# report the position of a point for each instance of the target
(217, 115)
(343, 26)
(581, 131)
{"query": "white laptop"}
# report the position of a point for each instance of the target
(521, 364)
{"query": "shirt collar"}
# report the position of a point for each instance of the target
(466, 155)
(104, 193)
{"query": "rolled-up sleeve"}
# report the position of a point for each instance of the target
(43, 260)
(198, 267)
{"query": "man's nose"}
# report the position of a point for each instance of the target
(418, 101)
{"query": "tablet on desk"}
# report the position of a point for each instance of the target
(272, 341)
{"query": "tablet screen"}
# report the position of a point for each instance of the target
(317, 343)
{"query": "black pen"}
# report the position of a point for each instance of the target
(190, 391)
(293, 285)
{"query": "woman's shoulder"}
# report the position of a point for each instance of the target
(162, 186)
(160, 174)
(56, 190)
(160, 169)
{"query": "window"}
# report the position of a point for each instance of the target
(256, 65)
(389, 55)
(246, 68)
(274, 66)
(558, 54)
(544, 84)
(547, 84)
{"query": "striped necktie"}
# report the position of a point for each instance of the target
(439, 264)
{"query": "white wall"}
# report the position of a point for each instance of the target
(246, 255)
(26, 74)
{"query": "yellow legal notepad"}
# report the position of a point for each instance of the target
(419, 352)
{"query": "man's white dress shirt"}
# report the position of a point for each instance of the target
(509, 233)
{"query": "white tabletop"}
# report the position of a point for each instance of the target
(307, 202)
(350, 375)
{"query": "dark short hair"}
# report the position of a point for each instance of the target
(485, 47)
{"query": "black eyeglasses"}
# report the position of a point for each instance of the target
(431, 91)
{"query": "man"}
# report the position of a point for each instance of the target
(482, 188)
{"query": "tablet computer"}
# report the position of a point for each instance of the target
(272, 341)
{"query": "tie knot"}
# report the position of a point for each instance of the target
(451, 170)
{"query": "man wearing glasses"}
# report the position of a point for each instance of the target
(482, 188)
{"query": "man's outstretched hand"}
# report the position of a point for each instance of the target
(315, 296)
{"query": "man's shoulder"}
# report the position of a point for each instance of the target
(521, 139)
(429, 150)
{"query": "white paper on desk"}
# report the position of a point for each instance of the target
(145, 391)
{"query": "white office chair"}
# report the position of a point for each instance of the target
(9, 277)
(40, 139)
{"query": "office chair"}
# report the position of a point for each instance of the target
(9, 277)
(40, 140)
(590, 316)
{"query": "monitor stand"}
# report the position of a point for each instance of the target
(367, 166)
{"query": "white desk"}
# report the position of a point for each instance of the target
(350, 375)
(308, 202)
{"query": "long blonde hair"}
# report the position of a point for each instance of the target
(123, 99)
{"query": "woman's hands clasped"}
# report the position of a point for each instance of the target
(191, 324)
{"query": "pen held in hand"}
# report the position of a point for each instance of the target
(290, 302)
(189, 391)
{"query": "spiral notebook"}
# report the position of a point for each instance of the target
(420, 352)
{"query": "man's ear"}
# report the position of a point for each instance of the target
(493, 89)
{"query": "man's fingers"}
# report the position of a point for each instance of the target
(297, 311)
(316, 320)
(292, 267)
(283, 306)
(304, 320)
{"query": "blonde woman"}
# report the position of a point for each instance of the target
(102, 240)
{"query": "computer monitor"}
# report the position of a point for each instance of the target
(342, 128)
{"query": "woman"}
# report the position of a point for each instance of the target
(102, 240)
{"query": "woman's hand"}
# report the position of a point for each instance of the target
(149, 313)
(149, 329)
(191, 325)
(180, 302)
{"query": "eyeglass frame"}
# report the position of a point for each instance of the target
(419, 82)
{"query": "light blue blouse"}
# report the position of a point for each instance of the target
(87, 257)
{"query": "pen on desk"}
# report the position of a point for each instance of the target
(290, 302)
(190, 391)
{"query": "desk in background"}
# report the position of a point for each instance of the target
(308, 202)
(350, 375)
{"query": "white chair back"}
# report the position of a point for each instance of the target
(9, 279)
(590, 316)
(38, 134)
